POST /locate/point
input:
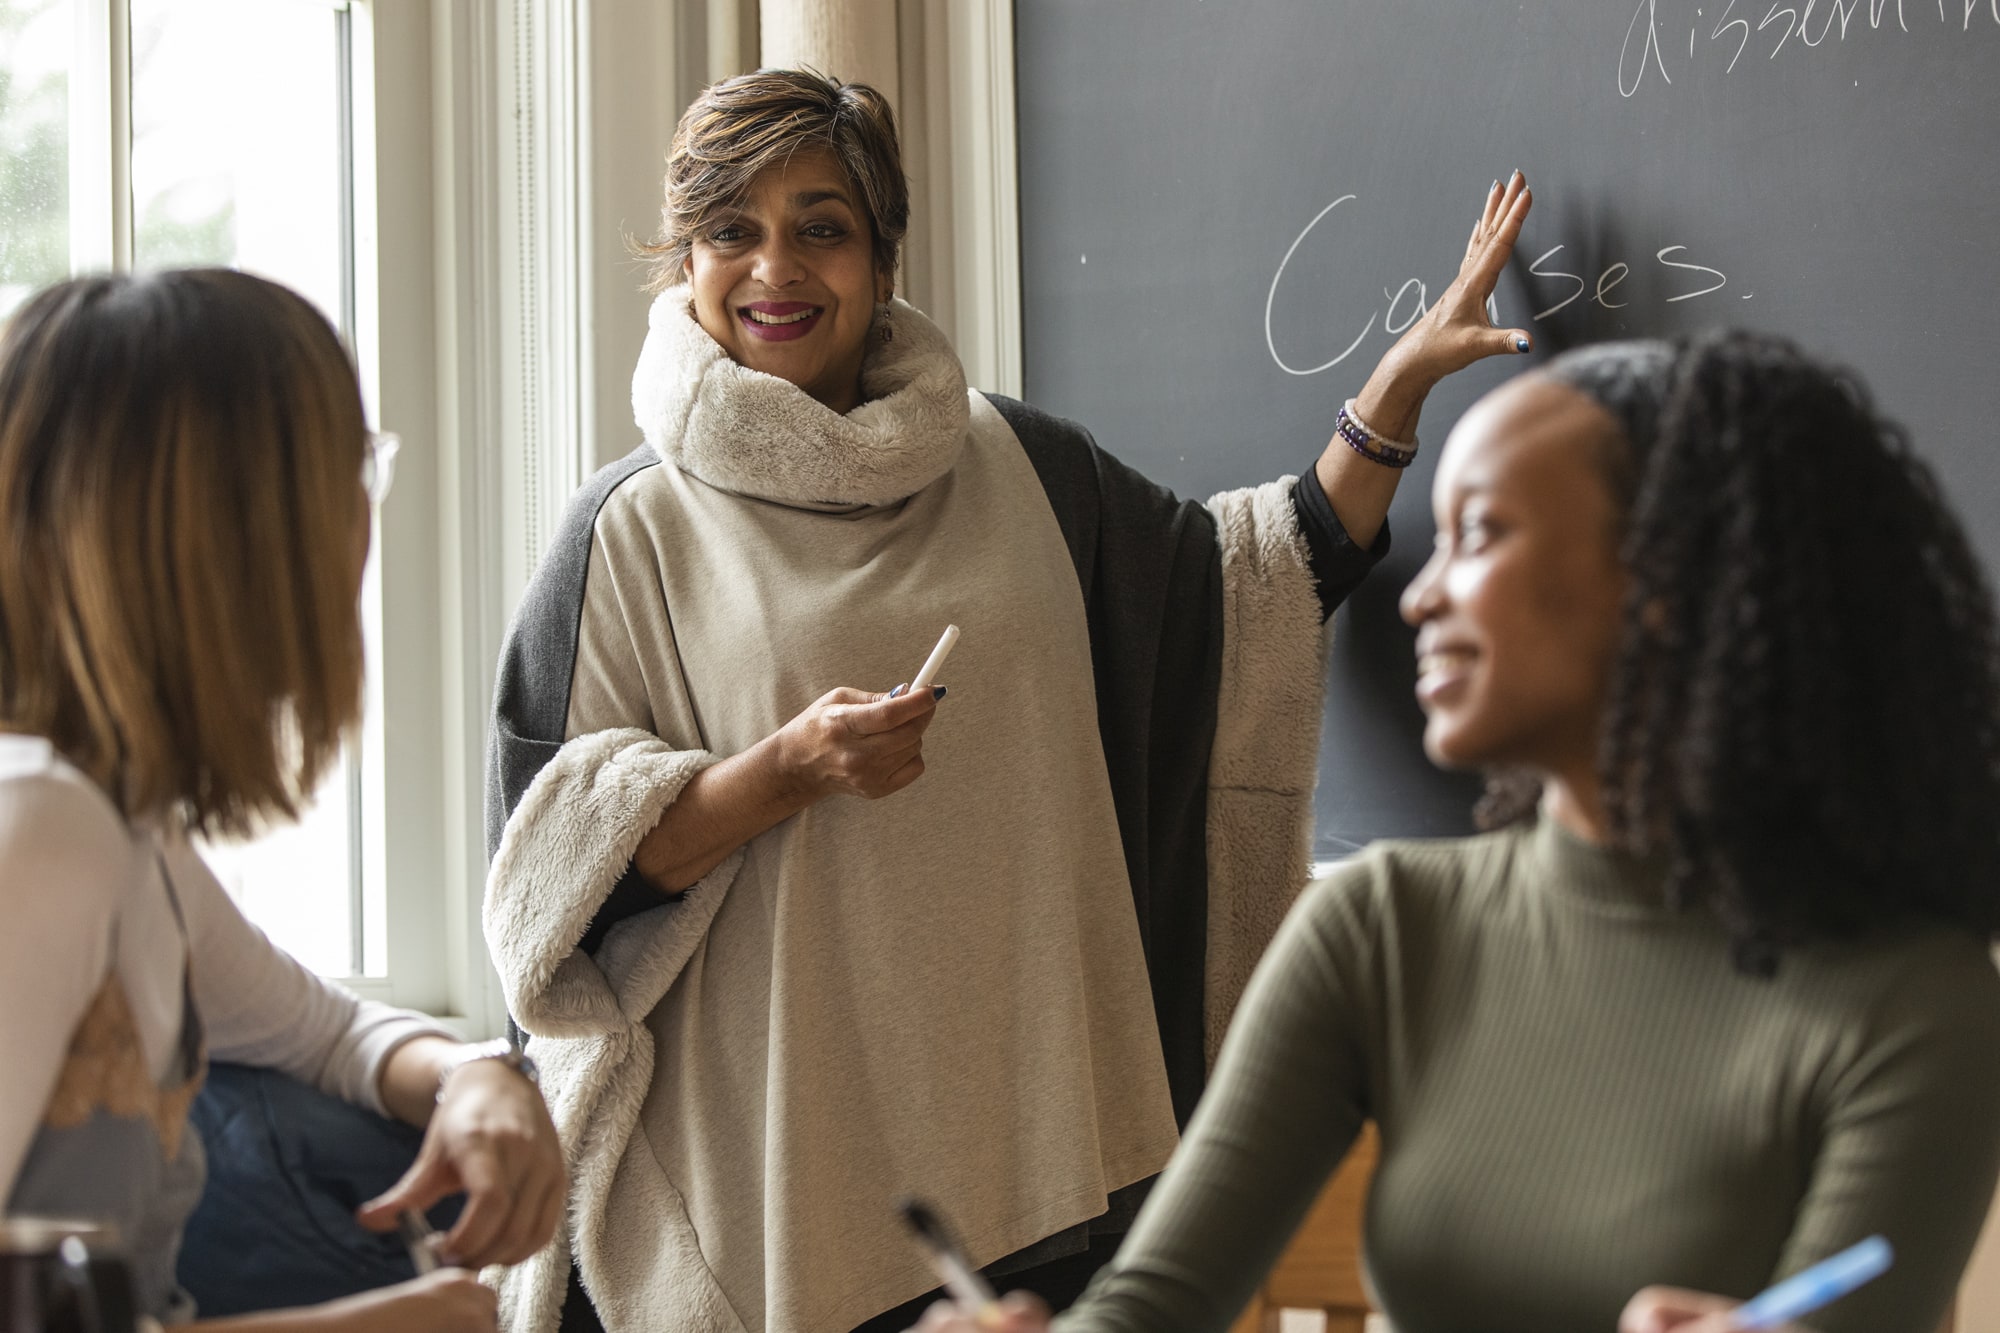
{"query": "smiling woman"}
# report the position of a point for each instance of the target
(1721, 1005)
(791, 259)
(1517, 608)
(769, 1007)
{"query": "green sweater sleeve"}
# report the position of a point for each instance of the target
(1286, 1102)
(1580, 1096)
(1907, 1147)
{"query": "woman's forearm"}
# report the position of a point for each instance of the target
(451, 1300)
(408, 1083)
(847, 741)
(308, 1319)
(722, 807)
(1360, 489)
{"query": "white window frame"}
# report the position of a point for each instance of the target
(546, 116)
(418, 904)
(101, 237)
(963, 256)
(100, 137)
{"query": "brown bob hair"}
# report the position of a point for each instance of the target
(182, 532)
(740, 127)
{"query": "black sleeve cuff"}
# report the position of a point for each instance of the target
(633, 894)
(1338, 565)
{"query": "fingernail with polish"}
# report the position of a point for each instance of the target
(1520, 344)
(937, 691)
(897, 692)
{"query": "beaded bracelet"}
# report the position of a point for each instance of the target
(1371, 444)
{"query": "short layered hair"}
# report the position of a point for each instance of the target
(182, 532)
(741, 127)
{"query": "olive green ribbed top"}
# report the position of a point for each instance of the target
(1578, 1095)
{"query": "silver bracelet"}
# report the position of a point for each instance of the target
(1370, 443)
(501, 1049)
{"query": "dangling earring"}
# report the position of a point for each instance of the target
(883, 328)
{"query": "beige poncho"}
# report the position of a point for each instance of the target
(941, 993)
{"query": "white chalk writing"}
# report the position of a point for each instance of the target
(1402, 305)
(1812, 23)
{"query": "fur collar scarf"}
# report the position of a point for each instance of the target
(754, 434)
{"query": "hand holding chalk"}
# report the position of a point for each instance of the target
(853, 743)
(935, 662)
(932, 664)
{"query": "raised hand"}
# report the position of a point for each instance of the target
(1449, 336)
(1455, 331)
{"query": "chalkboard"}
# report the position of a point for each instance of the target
(1228, 205)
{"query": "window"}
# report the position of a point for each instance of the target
(166, 162)
(453, 183)
(34, 146)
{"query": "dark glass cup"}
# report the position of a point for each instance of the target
(63, 1277)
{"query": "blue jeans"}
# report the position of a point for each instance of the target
(287, 1167)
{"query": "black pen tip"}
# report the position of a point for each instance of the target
(921, 1219)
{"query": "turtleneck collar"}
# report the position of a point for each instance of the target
(1567, 867)
(754, 434)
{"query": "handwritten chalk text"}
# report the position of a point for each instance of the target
(1729, 30)
(1404, 305)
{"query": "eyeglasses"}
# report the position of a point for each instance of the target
(378, 465)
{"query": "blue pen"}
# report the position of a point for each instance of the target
(1822, 1284)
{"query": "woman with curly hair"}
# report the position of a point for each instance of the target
(1714, 1000)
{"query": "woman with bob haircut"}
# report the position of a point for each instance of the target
(791, 942)
(185, 487)
(1714, 999)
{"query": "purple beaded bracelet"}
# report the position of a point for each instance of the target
(1374, 447)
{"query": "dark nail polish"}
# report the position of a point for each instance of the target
(1494, 186)
(1520, 344)
(898, 691)
(937, 691)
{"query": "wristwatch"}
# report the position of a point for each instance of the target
(501, 1049)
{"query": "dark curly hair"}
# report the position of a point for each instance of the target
(1805, 709)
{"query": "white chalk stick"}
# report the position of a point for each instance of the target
(935, 662)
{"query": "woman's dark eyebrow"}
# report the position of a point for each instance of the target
(807, 198)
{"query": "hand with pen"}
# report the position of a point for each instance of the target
(487, 1135)
(1676, 1310)
(971, 1306)
(1016, 1312)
